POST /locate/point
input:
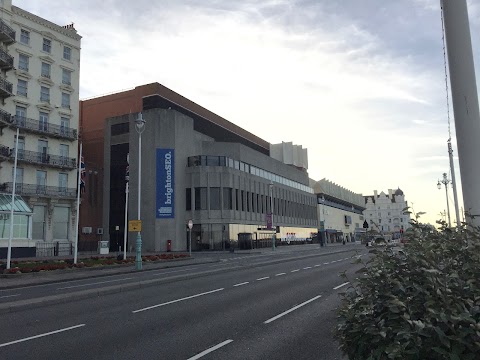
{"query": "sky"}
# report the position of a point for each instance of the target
(360, 84)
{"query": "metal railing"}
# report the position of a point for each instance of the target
(39, 127)
(43, 158)
(7, 34)
(6, 60)
(46, 249)
(6, 87)
(40, 190)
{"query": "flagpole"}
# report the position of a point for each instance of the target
(9, 250)
(75, 254)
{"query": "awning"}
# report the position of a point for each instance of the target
(19, 205)
(331, 231)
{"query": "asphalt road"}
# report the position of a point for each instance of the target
(252, 308)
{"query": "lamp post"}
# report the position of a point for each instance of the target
(445, 182)
(139, 127)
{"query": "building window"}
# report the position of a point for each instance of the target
(227, 199)
(66, 77)
(242, 200)
(41, 181)
(24, 36)
(215, 198)
(20, 115)
(64, 125)
(60, 222)
(188, 199)
(67, 53)
(23, 61)
(237, 199)
(65, 100)
(43, 151)
(401, 219)
(47, 45)
(64, 152)
(43, 121)
(46, 70)
(44, 94)
(201, 198)
(22, 88)
(62, 182)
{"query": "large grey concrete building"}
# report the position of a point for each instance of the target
(197, 166)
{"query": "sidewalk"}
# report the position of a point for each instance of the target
(8, 281)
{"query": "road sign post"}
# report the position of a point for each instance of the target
(190, 226)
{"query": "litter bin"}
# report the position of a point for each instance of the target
(169, 245)
(103, 248)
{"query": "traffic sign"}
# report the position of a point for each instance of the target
(135, 225)
(190, 224)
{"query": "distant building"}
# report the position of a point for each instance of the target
(385, 212)
(39, 93)
(340, 212)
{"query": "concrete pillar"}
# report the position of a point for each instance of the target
(465, 102)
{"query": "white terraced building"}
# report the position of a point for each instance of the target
(39, 95)
(385, 212)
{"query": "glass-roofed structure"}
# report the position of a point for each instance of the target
(22, 244)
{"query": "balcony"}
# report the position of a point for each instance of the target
(6, 60)
(44, 159)
(6, 88)
(37, 127)
(7, 34)
(40, 190)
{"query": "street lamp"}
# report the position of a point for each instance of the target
(139, 127)
(445, 182)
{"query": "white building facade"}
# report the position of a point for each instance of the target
(340, 212)
(385, 213)
(39, 90)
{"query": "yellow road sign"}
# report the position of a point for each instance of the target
(135, 225)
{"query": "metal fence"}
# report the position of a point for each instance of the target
(57, 248)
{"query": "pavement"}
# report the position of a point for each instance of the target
(265, 256)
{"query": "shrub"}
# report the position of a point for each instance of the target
(422, 302)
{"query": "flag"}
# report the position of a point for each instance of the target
(82, 175)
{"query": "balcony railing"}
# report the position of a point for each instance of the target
(7, 34)
(37, 126)
(41, 158)
(39, 190)
(6, 60)
(6, 88)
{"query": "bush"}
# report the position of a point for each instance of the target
(422, 302)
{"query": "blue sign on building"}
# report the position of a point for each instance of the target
(165, 184)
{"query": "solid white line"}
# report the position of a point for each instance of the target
(292, 309)
(7, 296)
(178, 300)
(91, 284)
(41, 335)
(280, 274)
(341, 285)
(244, 283)
(263, 278)
(317, 265)
(171, 272)
(295, 270)
(213, 348)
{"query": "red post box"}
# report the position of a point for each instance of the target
(169, 245)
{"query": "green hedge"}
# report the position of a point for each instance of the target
(419, 302)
